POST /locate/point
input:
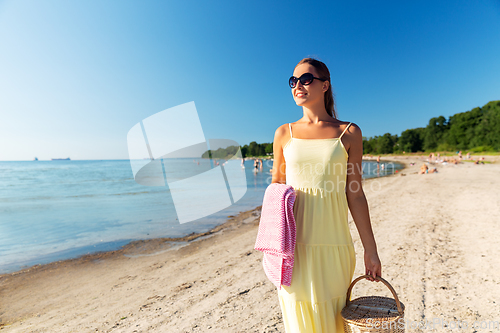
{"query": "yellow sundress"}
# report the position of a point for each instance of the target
(324, 257)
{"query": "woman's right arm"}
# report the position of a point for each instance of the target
(279, 165)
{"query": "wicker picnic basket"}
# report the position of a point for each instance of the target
(374, 314)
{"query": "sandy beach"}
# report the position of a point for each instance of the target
(436, 236)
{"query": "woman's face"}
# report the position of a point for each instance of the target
(312, 93)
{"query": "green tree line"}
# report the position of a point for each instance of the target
(252, 150)
(256, 149)
(227, 152)
(477, 130)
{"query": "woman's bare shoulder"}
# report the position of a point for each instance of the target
(282, 132)
(353, 128)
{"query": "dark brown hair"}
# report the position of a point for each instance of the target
(323, 73)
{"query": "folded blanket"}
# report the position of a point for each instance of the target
(277, 234)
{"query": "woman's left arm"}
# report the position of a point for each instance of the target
(357, 202)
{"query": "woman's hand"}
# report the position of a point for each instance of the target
(373, 267)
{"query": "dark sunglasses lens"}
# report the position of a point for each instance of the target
(292, 81)
(306, 79)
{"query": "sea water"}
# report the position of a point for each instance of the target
(55, 210)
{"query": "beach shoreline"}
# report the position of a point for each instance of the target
(214, 280)
(143, 247)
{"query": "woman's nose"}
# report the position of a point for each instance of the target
(298, 84)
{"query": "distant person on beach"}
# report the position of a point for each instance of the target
(256, 165)
(324, 257)
(425, 169)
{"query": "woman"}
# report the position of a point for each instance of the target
(320, 156)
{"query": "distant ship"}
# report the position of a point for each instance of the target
(60, 159)
(35, 159)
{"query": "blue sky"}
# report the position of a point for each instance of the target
(75, 76)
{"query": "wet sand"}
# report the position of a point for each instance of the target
(436, 235)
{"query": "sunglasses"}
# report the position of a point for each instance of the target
(305, 79)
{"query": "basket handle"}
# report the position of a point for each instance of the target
(348, 296)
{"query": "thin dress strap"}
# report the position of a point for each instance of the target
(345, 130)
(290, 126)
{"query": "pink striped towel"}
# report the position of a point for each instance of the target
(277, 233)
